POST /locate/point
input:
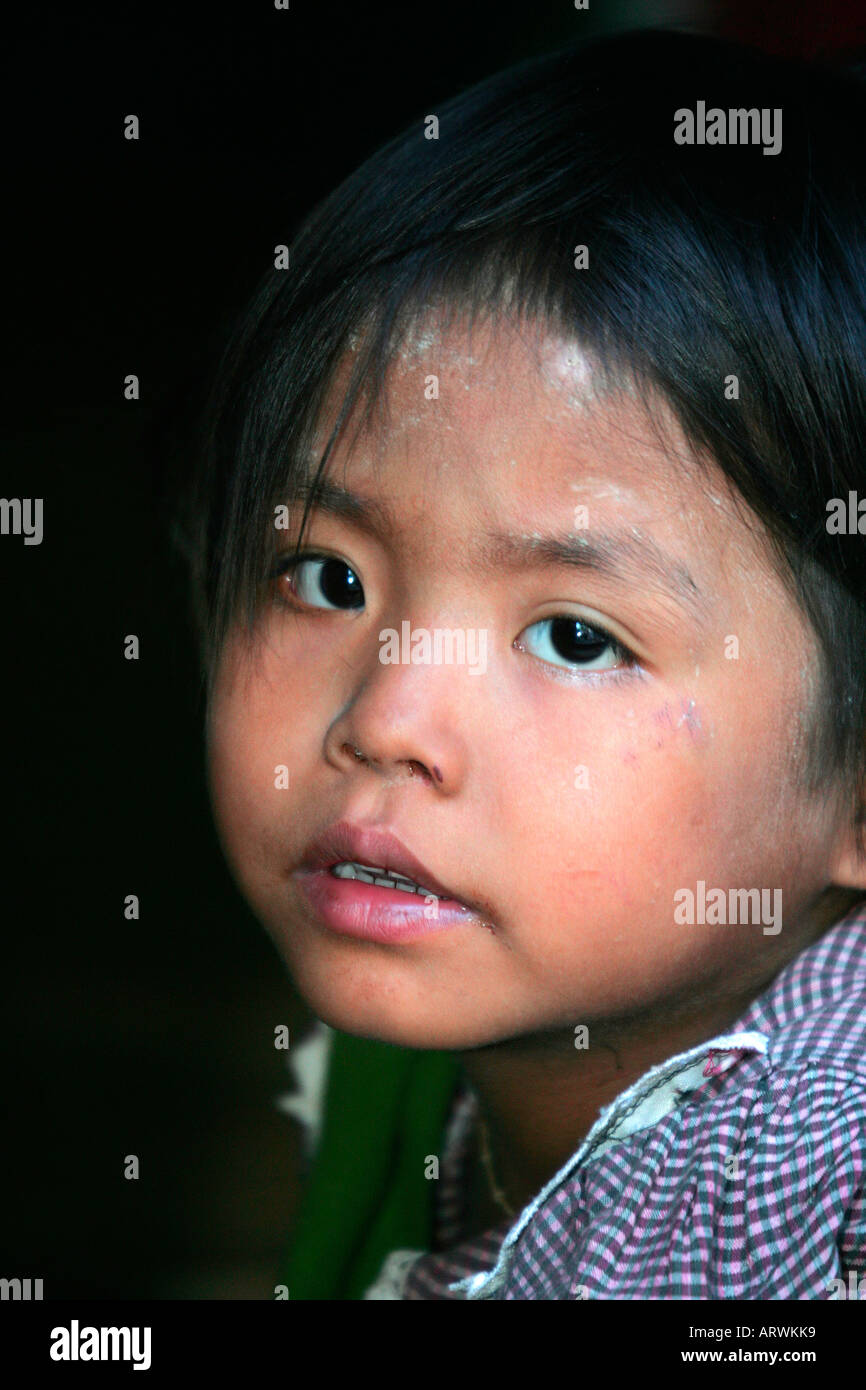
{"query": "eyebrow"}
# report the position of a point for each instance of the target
(617, 554)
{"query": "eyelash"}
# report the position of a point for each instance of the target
(287, 564)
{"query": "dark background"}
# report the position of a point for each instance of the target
(155, 1037)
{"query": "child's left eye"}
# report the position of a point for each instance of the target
(317, 577)
(570, 641)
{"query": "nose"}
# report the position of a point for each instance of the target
(403, 722)
(414, 767)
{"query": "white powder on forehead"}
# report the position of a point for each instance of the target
(441, 324)
(602, 487)
(417, 342)
(566, 363)
(562, 362)
(431, 342)
(453, 345)
(578, 376)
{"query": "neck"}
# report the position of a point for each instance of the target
(540, 1096)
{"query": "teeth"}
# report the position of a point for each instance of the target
(373, 873)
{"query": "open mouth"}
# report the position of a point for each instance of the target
(381, 877)
(360, 882)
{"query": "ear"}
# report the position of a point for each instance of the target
(848, 865)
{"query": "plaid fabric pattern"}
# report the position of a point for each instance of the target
(734, 1170)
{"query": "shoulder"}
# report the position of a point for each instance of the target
(831, 1036)
(821, 1002)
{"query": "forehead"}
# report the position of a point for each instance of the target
(511, 421)
(469, 400)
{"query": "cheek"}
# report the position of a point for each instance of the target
(265, 742)
(680, 723)
(246, 747)
(703, 790)
(640, 804)
(604, 812)
(234, 775)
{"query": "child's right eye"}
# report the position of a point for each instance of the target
(315, 578)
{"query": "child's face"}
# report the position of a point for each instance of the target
(574, 794)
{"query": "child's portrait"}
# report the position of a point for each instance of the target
(519, 515)
(535, 729)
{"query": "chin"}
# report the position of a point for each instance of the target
(392, 1025)
(381, 1027)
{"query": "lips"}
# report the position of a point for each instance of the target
(366, 845)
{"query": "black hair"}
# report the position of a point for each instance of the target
(704, 260)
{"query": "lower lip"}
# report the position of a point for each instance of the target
(355, 908)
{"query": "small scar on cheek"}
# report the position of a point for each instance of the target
(670, 721)
(437, 774)
(688, 717)
(691, 716)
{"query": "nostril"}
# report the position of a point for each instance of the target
(413, 764)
